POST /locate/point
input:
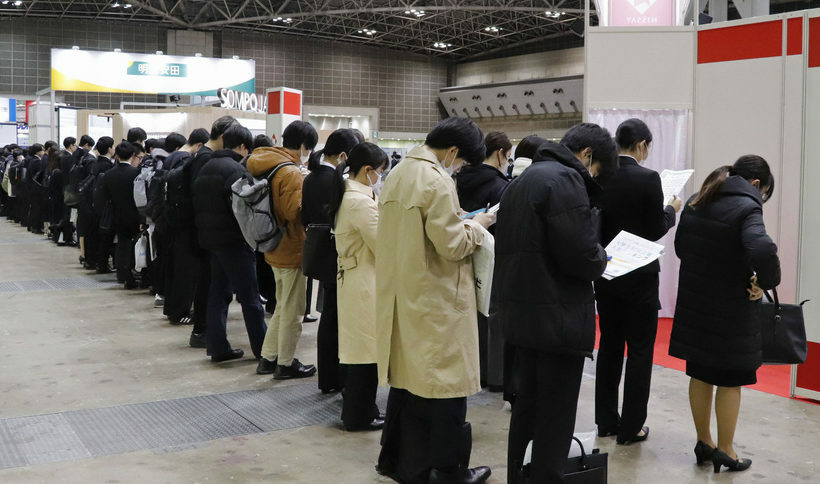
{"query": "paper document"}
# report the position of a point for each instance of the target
(628, 252)
(483, 267)
(673, 182)
(472, 214)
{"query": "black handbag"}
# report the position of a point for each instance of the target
(583, 469)
(783, 332)
(319, 255)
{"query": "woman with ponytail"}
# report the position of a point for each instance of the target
(316, 198)
(356, 216)
(726, 260)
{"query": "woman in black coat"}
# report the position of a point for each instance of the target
(726, 258)
(317, 195)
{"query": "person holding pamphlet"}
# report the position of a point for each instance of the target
(547, 256)
(632, 201)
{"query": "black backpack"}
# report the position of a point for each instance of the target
(17, 172)
(179, 205)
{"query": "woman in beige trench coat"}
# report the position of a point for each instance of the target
(356, 223)
(426, 310)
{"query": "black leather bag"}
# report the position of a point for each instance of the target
(319, 255)
(584, 469)
(783, 332)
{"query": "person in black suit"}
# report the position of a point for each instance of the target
(34, 172)
(118, 190)
(632, 200)
(317, 195)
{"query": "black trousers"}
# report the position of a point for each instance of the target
(267, 283)
(124, 256)
(627, 317)
(103, 246)
(157, 265)
(359, 395)
(233, 271)
(202, 294)
(544, 412)
(423, 433)
(327, 343)
(66, 225)
(183, 273)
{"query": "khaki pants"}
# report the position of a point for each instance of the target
(286, 324)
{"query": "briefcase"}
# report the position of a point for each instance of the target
(584, 469)
(319, 254)
(782, 331)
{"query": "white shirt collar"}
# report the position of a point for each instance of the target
(325, 163)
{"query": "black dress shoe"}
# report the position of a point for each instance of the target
(475, 475)
(198, 340)
(310, 319)
(265, 366)
(720, 458)
(636, 438)
(703, 452)
(376, 424)
(233, 354)
(388, 472)
(327, 391)
(295, 370)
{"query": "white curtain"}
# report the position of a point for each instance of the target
(670, 150)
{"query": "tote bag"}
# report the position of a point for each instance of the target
(782, 331)
(319, 255)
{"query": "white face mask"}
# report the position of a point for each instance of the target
(451, 168)
(304, 158)
(377, 186)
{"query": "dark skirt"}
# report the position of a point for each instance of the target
(721, 377)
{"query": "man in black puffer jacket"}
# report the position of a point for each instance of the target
(547, 255)
(233, 265)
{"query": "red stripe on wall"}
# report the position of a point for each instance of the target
(814, 42)
(808, 374)
(794, 45)
(273, 102)
(754, 41)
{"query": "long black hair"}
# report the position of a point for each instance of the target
(339, 141)
(362, 155)
(749, 167)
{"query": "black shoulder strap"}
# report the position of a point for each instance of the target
(270, 175)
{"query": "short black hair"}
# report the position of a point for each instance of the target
(104, 144)
(154, 143)
(199, 135)
(631, 132)
(262, 140)
(237, 135)
(496, 140)
(528, 146)
(221, 125)
(300, 133)
(125, 151)
(462, 133)
(49, 144)
(138, 148)
(340, 141)
(174, 141)
(136, 135)
(35, 148)
(86, 140)
(69, 141)
(598, 139)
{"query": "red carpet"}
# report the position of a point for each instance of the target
(775, 379)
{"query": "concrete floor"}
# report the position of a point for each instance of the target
(76, 349)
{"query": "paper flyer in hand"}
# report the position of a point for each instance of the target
(628, 252)
(673, 183)
(483, 267)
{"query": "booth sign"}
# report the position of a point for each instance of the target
(76, 70)
(243, 101)
(641, 13)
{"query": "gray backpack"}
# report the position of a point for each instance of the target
(141, 183)
(252, 204)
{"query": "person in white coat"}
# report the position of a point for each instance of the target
(356, 215)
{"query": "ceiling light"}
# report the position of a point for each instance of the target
(5, 2)
(198, 54)
(75, 47)
(493, 29)
(554, 14)
(442, 45)
(235, 57)
(159, 52)
(367, 31)
(117, 50)
(414, 12)
(116, 4)
(283, 20)
(18, 3)
(127, 5)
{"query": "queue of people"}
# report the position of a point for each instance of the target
(399, 302)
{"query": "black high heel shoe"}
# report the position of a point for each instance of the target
(719, 458)
(703, 452)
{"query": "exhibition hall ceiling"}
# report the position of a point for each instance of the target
(457, 29)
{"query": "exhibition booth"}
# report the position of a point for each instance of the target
(710, 94)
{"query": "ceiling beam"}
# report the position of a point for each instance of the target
(170, 18)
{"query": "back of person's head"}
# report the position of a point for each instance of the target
(360, 156)
(199, 135)
(139, 150)
(339, 141)
(495, 141)
(53, 158)
(359, 135)
(154, 143)
(220, 126)
(17, 152)
(136, 135)
(631, 133)
(174, 141)
(748, 167)
(298, 134)
(69, 141)
(86, 141)
(262, 141)
(125, 151)
(599, 141)
(528, 146)
(104, 144)
(462, 133)
(35, 148)
(237, 135)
